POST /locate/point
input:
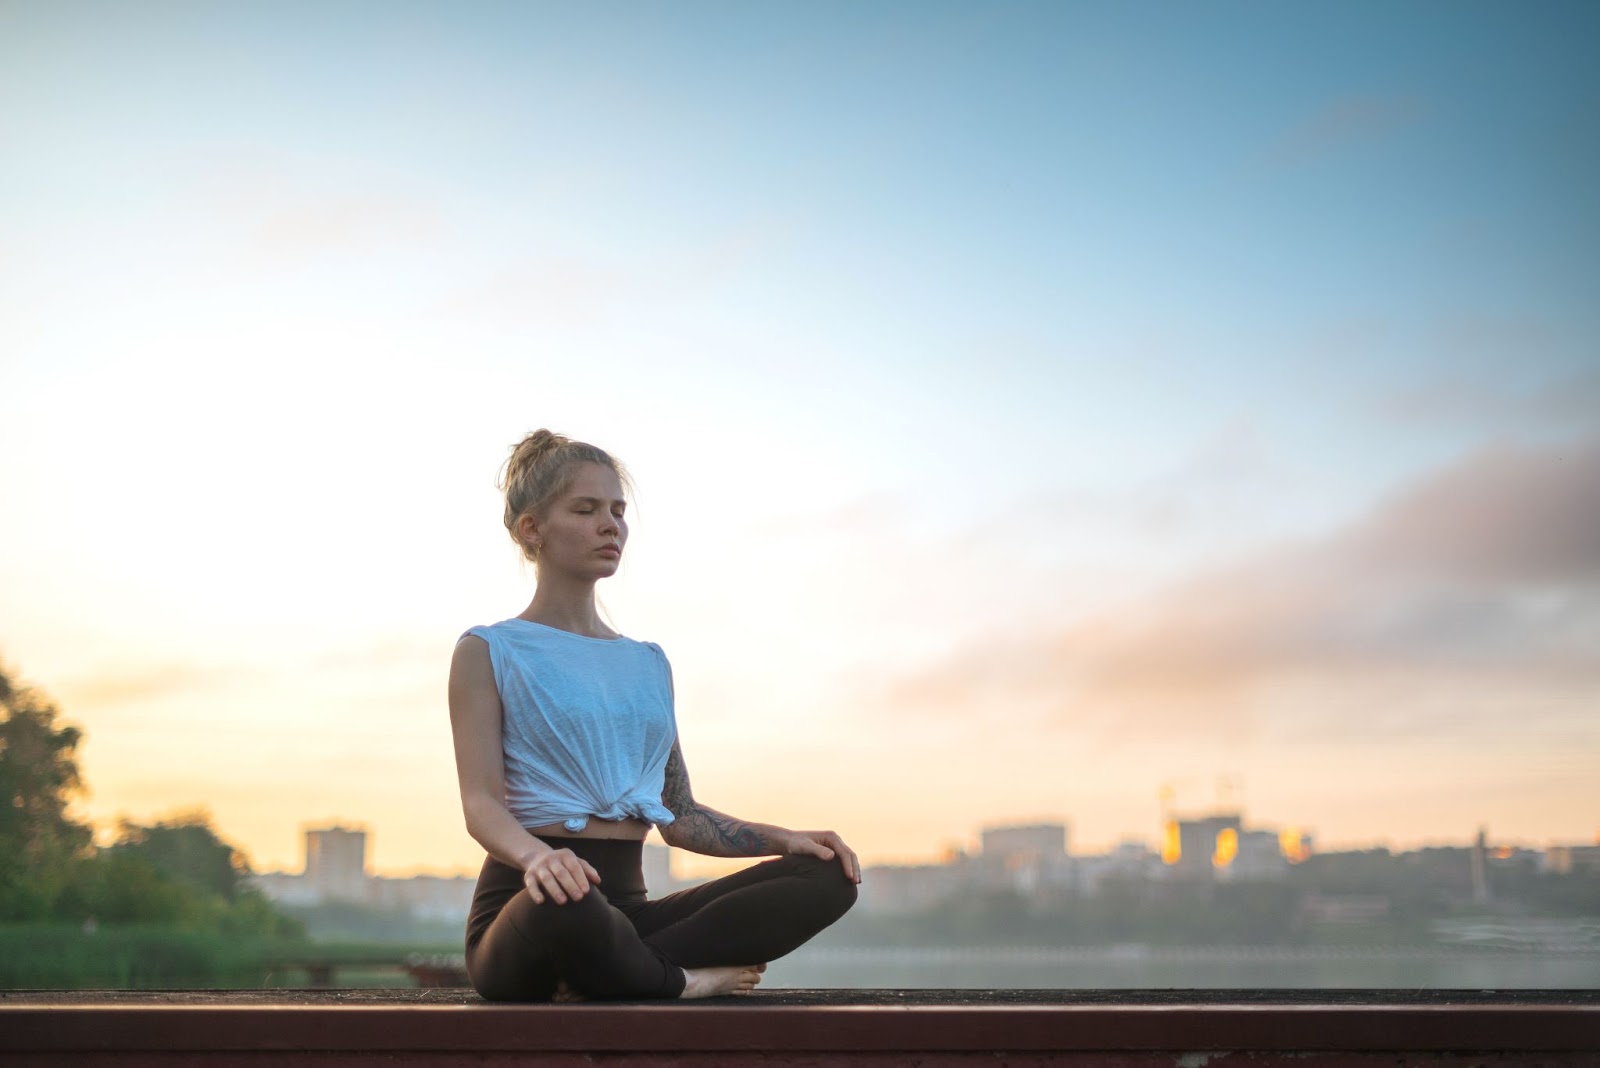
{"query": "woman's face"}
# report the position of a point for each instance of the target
(584, 532)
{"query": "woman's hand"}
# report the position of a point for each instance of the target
(824, 844)
(561, 873)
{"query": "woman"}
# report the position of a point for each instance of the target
(567, 751)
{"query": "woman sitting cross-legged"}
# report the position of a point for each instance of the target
(567, 751)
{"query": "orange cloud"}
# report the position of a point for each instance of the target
(116, 685)
(1476, 591)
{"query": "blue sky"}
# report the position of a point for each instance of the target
(918, 323)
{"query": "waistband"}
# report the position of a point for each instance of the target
(620, 862)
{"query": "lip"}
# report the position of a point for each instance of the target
(610, 549)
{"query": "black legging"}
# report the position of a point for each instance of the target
(616, 944)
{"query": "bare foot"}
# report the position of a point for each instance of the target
(566, 993)
(714, 982)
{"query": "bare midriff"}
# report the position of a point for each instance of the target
(635, 829)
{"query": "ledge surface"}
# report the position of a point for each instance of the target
(812, 1022)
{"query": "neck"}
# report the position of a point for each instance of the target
(567, 604)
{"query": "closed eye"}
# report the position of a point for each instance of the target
(585, 505)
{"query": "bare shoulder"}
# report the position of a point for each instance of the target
(473, 644)
(471, 669)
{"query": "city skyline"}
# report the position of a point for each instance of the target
(1029, 405)
(696, 866)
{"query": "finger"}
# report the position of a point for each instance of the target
(580, 873)
(548, 880)
(847, 857)
(816, 849)
(572, 875)
(594, 876)
(572, 884)
(832, 843)
(570, 869)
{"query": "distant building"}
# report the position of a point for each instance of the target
(1131, 860)
(1259, 858)
(426, 897)
(1197, 848)
(909, 887)
(287, 888)
(335, 869)
(1030, 859)
(1219, 847)
(336, 863)
(1565, 860)
(657, 864)
(1043, 839)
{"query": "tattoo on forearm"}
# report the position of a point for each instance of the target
(676, 795)
(705, 830)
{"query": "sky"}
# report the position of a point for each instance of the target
(1071, 412)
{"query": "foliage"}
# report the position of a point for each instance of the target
(168, 901)
(66, 956)
(40, 845)
(185, 848)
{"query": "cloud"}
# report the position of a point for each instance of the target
(1475, 594)
(311, 226)
(576, 289)
(280, 218)
(125, 685)
(385, 662)
(568, 291)
(1571, 401)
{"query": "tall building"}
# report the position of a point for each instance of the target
(336, 870)
(1198, 848)
(336, 863)
(1220, 847)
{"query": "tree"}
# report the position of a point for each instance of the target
(40, 845)
(176, 872)
(184, 847)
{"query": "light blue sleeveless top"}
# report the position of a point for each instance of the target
(587, 727)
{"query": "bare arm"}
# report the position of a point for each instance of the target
(475, 724)
(705, 830)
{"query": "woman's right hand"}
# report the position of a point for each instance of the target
(561, 873)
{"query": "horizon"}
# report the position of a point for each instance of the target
(709, 867)
(1023, 402)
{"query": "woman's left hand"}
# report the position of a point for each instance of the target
(827, 845)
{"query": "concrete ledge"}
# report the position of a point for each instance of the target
(1186, 1029)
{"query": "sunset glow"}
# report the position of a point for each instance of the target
(1041, 412)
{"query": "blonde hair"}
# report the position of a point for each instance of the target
(540, 469)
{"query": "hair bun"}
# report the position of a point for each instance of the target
(541, 441)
